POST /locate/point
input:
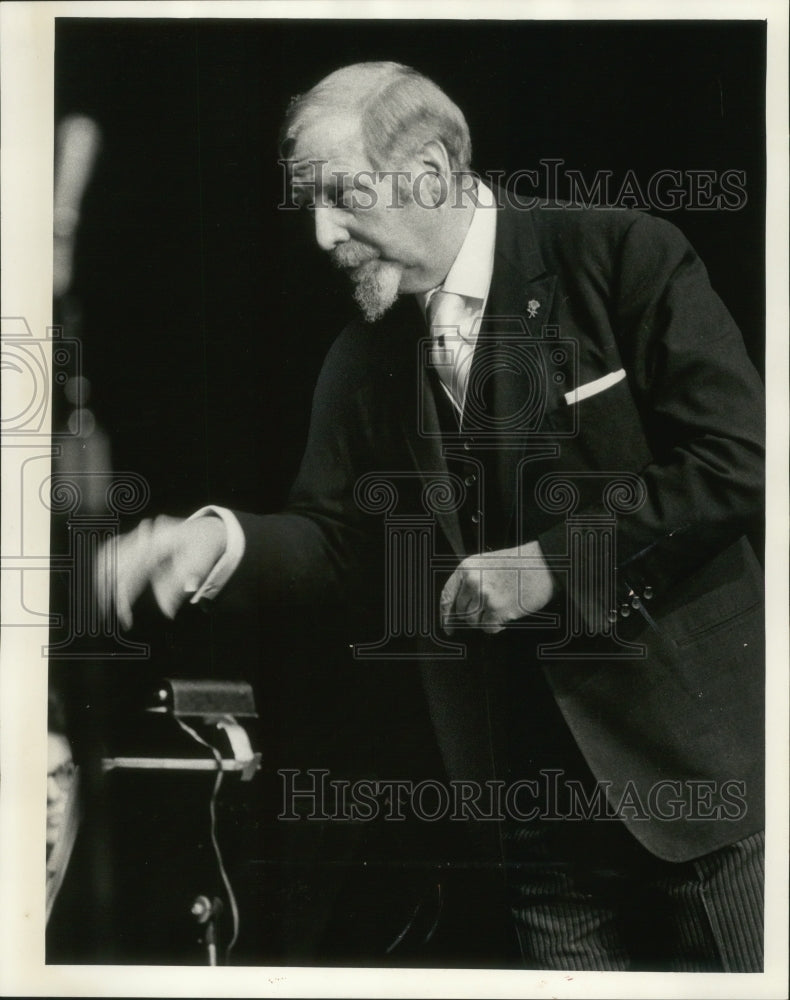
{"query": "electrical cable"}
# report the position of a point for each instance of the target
(215, 843)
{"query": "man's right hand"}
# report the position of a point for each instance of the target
(173, 555)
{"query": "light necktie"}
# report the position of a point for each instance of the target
(450, 319)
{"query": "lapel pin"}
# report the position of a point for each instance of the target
(532, 308)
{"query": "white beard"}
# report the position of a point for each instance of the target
(376, 281)
(376, 287)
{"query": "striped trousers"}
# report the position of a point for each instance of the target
(620, 908)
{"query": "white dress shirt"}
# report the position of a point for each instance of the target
(470, 277)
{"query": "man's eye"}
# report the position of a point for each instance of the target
(302, 199)
(309, 200)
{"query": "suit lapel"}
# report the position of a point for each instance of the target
(513, 372)
(418, 416)
(519, 389)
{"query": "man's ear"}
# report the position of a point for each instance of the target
(434, 159)
(433, 168)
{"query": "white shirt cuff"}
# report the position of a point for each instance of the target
(225, 566)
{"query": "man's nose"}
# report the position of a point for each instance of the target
(329, 229)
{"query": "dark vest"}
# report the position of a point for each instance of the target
(528, 731)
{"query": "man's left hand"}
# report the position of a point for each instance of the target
(494, 588)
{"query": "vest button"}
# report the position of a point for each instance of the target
(470, 479)
(468, 444)
(476, 516)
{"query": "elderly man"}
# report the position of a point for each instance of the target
(571, 381)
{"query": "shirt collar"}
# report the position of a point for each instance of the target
(471, 271)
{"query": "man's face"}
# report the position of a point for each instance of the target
(60, 777)
(380, 238)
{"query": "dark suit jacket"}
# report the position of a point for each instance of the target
(576, 295)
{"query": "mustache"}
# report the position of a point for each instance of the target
(352, 254)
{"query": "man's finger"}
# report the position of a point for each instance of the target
(491, 623)
(168, 588)
(136, 560)
(469, 601)
(111, 562)
(121, 571)
(123, 609)
(103, 577)
(166, 575)
(447, 600)
(463, 602)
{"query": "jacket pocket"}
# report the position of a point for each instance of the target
(601, 432)
(710, 629)
(598, 385)
(726, 590)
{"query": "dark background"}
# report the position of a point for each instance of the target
(204, 314)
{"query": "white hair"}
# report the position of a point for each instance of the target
(398, 110)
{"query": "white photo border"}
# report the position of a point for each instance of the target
(27, 180)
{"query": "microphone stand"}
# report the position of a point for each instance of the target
(206, 911)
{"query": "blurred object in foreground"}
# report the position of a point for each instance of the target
(85, 450)
(77, 142)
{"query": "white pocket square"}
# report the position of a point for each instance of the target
(591, 388)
